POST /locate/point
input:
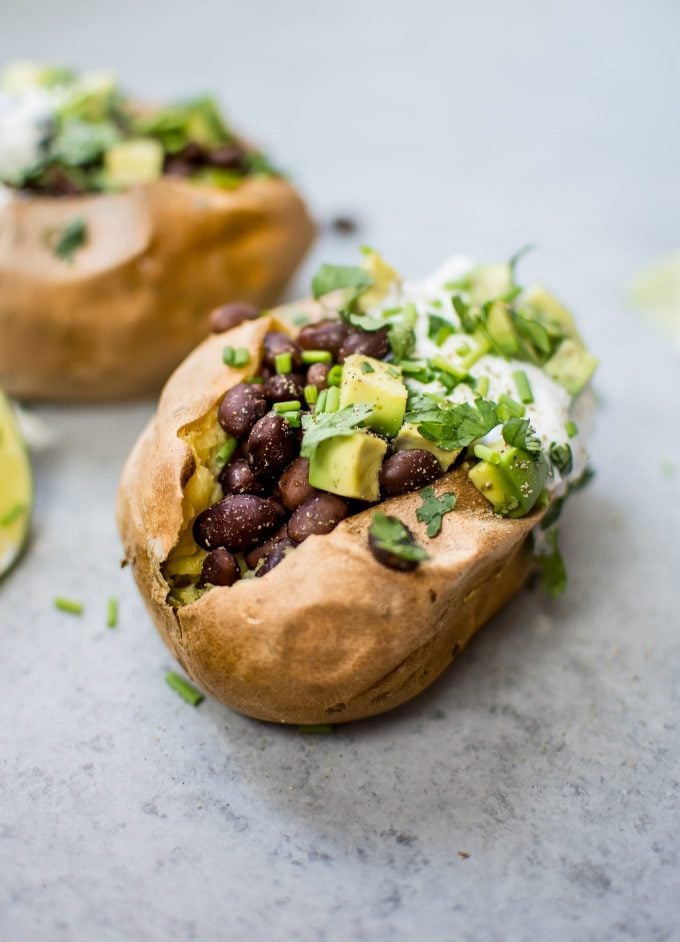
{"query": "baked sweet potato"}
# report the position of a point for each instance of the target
(134, 299)
(330, 634)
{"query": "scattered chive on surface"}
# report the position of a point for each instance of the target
(292, 405)
(311, 394)
(332, 399)
(482, 386)
(68, 605)
(572, 429)
(283, 362)
(316, 356)
(515, 409)
(300, 319)
(523, 387)
(321, 401)
(484, 453)
(334, 377)
(228, 355)
(226, 451)
(112, 612)
(366, 367)
(241, 356)
(186, 690)
(293, 419)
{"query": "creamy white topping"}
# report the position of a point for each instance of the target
(25, 120)
(553, 406)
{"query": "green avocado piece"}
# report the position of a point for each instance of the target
(380, 385)
(383, 275)
(410, 438)
(132, 162)
(571, 366)
(513, 483)
(349, 465)
(502, 330)
(488, 282)
(538, 299)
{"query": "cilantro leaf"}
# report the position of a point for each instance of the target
(402, 340)
(366, 322)
(433, 508)
(393, 544)
(455, 425)
(520, 434)
(320, 426)
(561, 457)
(439, 329)
(552, 568)
(66, 241)
(555, 509)
(469, 319)
(333, 277)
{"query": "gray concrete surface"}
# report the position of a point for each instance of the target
(549, 752)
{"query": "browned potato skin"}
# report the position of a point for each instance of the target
(137, 297)
(296, 646)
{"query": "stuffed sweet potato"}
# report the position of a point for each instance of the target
(333, 498)
(120, 228)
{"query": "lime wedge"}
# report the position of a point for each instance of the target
(16, 488)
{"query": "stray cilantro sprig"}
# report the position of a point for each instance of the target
(520, 434)
(433, 508)
(66, 241)
(336, 277)
(453, 425)
(322, 425)
(561, 457)
(393, 544)
(555, 509)
(553, 578)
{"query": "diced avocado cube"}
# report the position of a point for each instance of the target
(502, 330)
(488, 282)
(22, 74)
(348, 465)
(514, 483)
(132, 162)
(571, 366)
(383, 275)
(541, 301)
(378, 384)
(409, 438)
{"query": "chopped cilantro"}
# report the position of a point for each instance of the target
(519, 433)
(552, 568)
(367, 368)
(453, 425)
(66, 241)
(393, 544)
(334, 277)
(439, 329)
(402, 340)
(322, 425)
(561, 457)
(433, 508)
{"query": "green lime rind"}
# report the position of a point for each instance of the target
(16, 489)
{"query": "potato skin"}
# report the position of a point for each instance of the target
(137, 297)
(295, 646)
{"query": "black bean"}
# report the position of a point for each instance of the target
(276, 342)
(236, 522)
(407, 471)
(275, 556)
(294, 484)
(272, 445)
(321, 514)
(238, 478)
(283, 387)
(386, 558)
(220, 568)
(227, 157)
(317, 375)
(231, 315)
(370, 344)
(253, 556)
(326, 335)
(241, 407)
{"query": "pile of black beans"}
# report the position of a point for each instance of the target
(269, 506)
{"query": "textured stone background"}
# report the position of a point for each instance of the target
(548, 753)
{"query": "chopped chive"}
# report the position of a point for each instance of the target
(515, 409)
(311, 394)
(321, 401)
(332, 400)
(476, 354)
(367, 368)
(334, 377)
(112, 612)
(241, 356)
(186, 690)
(437, 304)
(523, 386)
(283, 362)
(463, 350)
(69, 605)
(572, 429)
(12, 515)
(487, 454)
(292, 405)
(226, 451)
(482, 386)
(228, 355)
(393, 372)
(316, 728)
(293, 419)
(413, 366)
(317, 356)
(439, 363)
(300, 319)
(255, 379)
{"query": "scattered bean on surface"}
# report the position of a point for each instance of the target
(272, 445)
(370, 344)
(407, 471)
(321, 514)
(294, 484)
(276, 342)
(317, 375)
(325, 335)
(283, 387)
(241, 407)
(231, 315)
(238, 478)
(236, 522)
